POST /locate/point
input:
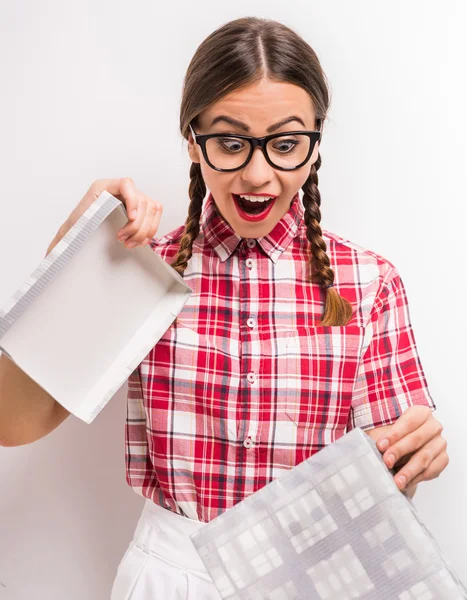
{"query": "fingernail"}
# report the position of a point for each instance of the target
(384, 444)
(123, 238)
(131, 245)
(402, 480)
(134, 213)
(391, 460)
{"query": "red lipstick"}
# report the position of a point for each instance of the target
(253, 217)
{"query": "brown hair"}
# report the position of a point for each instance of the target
(236, 54)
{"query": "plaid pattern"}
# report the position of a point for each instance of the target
(246, 384)
(335, 527)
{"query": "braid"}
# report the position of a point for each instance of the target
(197, 191)
(337, 310)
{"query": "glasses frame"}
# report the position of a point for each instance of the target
(201, 139)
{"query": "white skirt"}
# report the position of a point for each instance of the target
(161, 562)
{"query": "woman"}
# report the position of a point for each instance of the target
(292, 336)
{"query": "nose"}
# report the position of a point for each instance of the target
(258, 171)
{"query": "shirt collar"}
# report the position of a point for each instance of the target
(224, 240)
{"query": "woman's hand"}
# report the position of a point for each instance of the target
(144, 214)
(415, 444)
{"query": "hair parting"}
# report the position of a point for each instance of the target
(236, 54)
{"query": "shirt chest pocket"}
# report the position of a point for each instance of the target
(194, 384)
(321, 365)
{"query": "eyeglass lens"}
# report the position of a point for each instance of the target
(231, 152)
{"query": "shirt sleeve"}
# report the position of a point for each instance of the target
(390, 375)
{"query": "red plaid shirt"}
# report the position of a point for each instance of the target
(246, 383)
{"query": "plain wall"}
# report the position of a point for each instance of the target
(92, 90)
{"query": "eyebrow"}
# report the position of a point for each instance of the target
(245, 127)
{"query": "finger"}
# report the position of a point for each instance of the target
(409, 421)
(156, 221)
(420, 462)
(412, 442)
(434, 470)
(402, 461)
(132, 227)
(129, 195)
(154, 224)
(143, 231)
(124, 189)
(148, 213)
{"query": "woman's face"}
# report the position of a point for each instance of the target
(258, 106)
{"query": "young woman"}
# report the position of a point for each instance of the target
(292, 336)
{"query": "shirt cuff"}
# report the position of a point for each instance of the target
(388, 410)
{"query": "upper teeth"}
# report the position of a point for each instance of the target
(256, 198)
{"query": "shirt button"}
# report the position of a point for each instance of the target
(251, 377)
(251, 243)
(249, 262)
(248, 443)
(250, 322)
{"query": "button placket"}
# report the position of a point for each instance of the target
(249, 332)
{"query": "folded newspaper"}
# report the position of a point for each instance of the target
(335, 527)
(91, 311)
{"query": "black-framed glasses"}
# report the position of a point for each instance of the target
(285, 151)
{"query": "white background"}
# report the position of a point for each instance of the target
(92, 90)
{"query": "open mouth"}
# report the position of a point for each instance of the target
(253, 211)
